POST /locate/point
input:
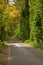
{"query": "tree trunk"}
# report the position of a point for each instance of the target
(2, 33)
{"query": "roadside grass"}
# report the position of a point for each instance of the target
(3, 53)
(34, 44)
(2, 46)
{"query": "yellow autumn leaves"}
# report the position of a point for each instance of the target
(14, 14)
(12, 11)
(10, 14)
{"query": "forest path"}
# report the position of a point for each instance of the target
(22, 54)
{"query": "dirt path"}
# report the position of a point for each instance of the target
(21, 54)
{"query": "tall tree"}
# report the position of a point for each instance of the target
(24, 23)
(8, 14)
(35, 22)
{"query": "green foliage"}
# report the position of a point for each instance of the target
(36, 23)
(8, 15)
(30, 25)
(24, 23)
(17, 33)
(2, 22)
(2, 46)
(34, 44)
(33, 24)
(24, 29)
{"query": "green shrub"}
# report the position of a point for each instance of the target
(36, 19)
(35, 43)
(2, 46)
(17, 33)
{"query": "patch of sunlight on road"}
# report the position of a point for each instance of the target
(9, 58)
(18, 44)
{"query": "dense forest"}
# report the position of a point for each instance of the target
(23, 20)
